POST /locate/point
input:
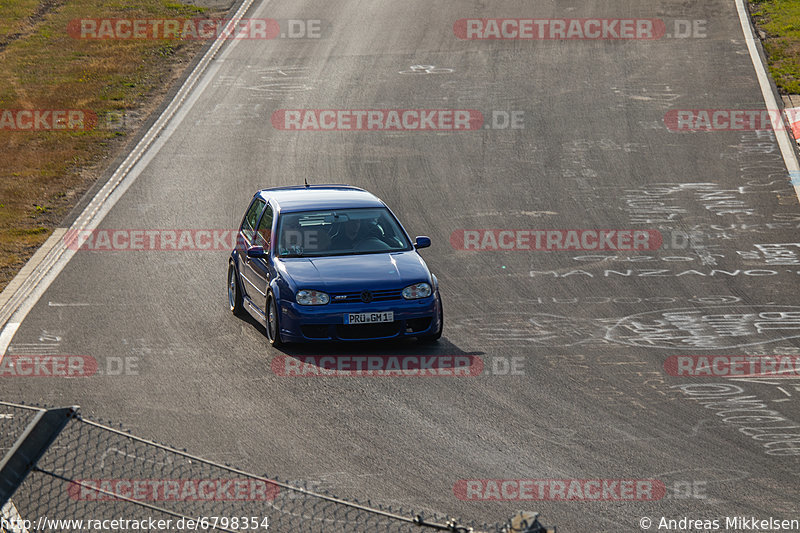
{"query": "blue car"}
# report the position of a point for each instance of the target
(331, 263)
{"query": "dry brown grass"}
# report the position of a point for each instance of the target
(43, 174)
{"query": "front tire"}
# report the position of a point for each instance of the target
(273, 322)
(235, 302)
(433, 337)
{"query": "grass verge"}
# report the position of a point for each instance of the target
(779, 22)
(44, 173)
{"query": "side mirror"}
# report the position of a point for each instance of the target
(256, 252)
(422, 242)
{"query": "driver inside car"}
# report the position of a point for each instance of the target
(348, 236)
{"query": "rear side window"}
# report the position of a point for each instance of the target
(251, 218)
(264, 233)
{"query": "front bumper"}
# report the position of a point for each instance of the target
(306, 323)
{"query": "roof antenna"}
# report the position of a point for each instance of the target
(306, 180)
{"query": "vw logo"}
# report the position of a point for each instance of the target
(366, 297)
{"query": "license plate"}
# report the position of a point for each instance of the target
(368, 318)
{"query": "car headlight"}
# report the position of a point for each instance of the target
(418, 290)
(306, 297)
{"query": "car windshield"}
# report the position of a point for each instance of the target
(340, 232)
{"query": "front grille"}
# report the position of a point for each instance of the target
(377, 296)
(368, 331)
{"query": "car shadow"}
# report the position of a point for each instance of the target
(396, 357)
(404, 346)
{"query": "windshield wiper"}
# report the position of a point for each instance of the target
(367, 252)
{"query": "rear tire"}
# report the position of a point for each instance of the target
(273, 322)
(434, 337)
(235, 302)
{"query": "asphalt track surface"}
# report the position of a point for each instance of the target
(594, 400)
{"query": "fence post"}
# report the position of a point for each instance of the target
(30, 446)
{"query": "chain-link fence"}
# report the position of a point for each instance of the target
(92, 477)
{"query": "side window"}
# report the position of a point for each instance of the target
(264, 233)
(250, 219)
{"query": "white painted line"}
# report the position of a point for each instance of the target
(785, 142)
(11, 515)
(28, 275)
(6, 336)
(41, 270)
(31, 349)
